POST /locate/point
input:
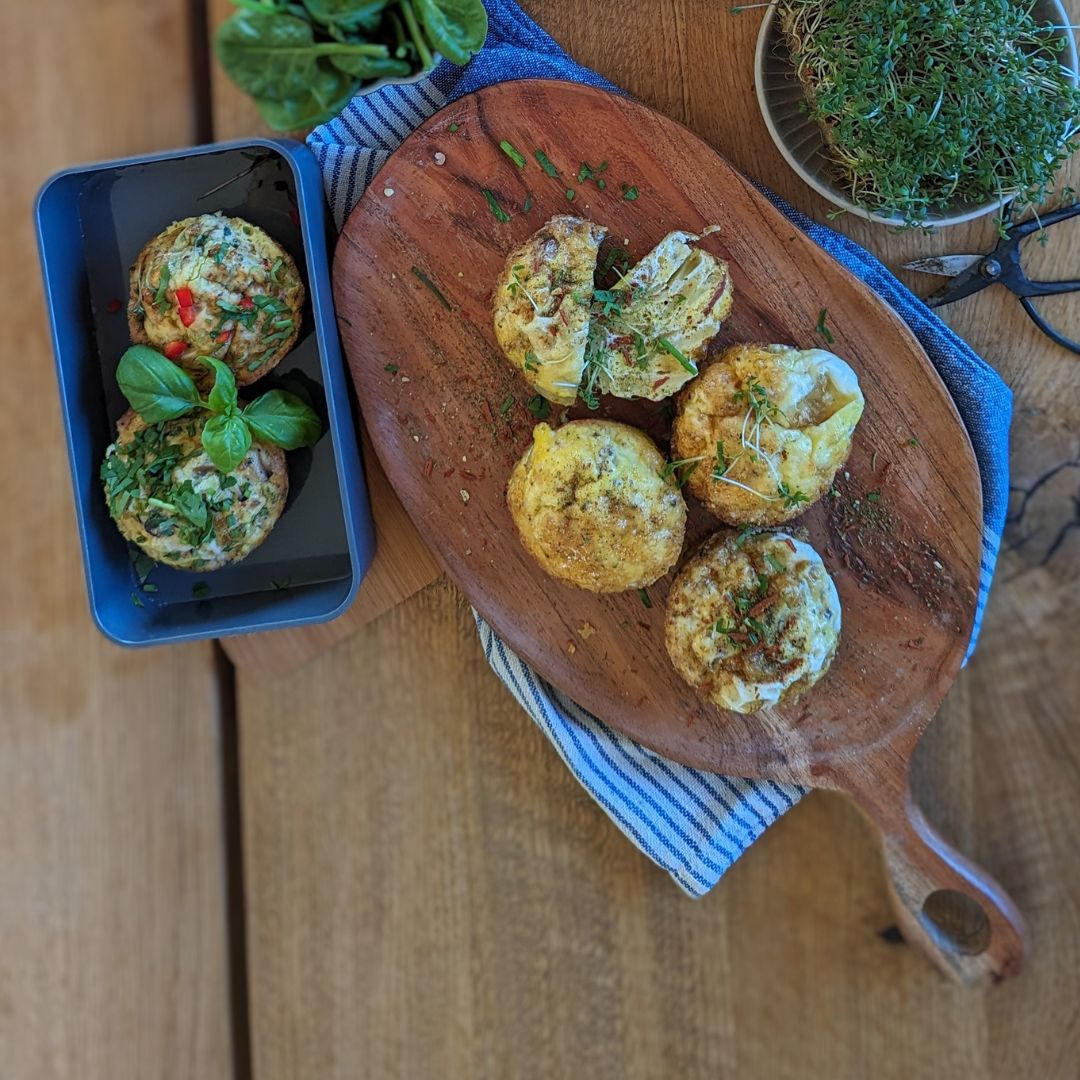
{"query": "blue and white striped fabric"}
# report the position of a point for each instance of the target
(693, 824)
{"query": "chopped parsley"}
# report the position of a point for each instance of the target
(791, 498)
(539, 406)
(545, 162)
(629, 192)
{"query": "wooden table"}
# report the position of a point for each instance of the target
(376, 866)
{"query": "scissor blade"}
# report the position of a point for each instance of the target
(944, 265)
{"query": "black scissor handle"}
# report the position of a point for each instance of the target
(1047, 329)
(1036, 224)
(1048, 288)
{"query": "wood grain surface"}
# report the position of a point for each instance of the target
(499, 875)
(112, 899)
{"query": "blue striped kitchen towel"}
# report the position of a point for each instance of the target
(694, 824)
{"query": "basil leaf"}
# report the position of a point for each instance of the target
(457, 28)
(156, 388)
(281, 418)
(222, 397)
(226, 439)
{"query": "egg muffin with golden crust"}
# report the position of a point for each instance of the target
(168, 497)
(651, 328)
(216, 286)
(542, 304)
(764, 429)
(594, 507)
(752, 621)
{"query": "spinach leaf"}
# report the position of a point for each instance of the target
(156, 388)
(457, 28)
(371, 67)
(222, 398)
(308, 107)
(347, 15)
(281, 418)
(226, 439)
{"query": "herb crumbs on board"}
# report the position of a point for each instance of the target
(494, 207)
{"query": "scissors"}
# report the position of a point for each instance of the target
(972, 273)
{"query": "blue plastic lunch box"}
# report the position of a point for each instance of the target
(92, 221)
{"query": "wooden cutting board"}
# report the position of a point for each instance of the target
(413, 277)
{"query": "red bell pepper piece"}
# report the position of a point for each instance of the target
(174, 350)
(187, 315)
(224, 336)
(184, 298)
(247, 303)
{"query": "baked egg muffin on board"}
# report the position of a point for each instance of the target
(650, 329)
(167, 496)
(764, 429)
(592, 507)
(752, 621)
(542, 305)
(216, 286)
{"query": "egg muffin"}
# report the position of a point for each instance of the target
(651, 328)
(766, 428)
(167, 496)
(542, 305)
(216, 286)
(752, 621)
(593, 507)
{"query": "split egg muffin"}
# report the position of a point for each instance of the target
(594, 507)
(762, 432)
(216, 286)
(541, 303)
(168, 497)
(651, 328)
(752, 621)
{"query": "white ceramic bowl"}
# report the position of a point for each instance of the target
(780, 96)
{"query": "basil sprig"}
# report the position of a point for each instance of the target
(159, 390)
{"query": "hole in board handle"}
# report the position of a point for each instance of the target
(956, 922)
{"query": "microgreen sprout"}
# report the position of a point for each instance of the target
(932, 104)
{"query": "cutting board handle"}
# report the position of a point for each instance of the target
(954, 911)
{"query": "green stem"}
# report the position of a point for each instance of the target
(414, 32)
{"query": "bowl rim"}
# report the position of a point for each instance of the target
(766, 32)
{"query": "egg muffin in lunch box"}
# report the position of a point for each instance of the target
(168, 497)
(216, 286)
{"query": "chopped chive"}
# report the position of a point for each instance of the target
(453, 128)
(601, 183)
(149, 587)
(673, 350)
(136, 599)
(392, 368)
(545, 162)
(873, 496)
(645, 598)
(507, 405)
(494, 207)
(629, 192)
(275, 269)
(570, 193)
(513, 153)
(200, 589)
(821, 328)
(426, 281)
(160, 299)
(527, 205)
(539, 406)
(777, 566)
